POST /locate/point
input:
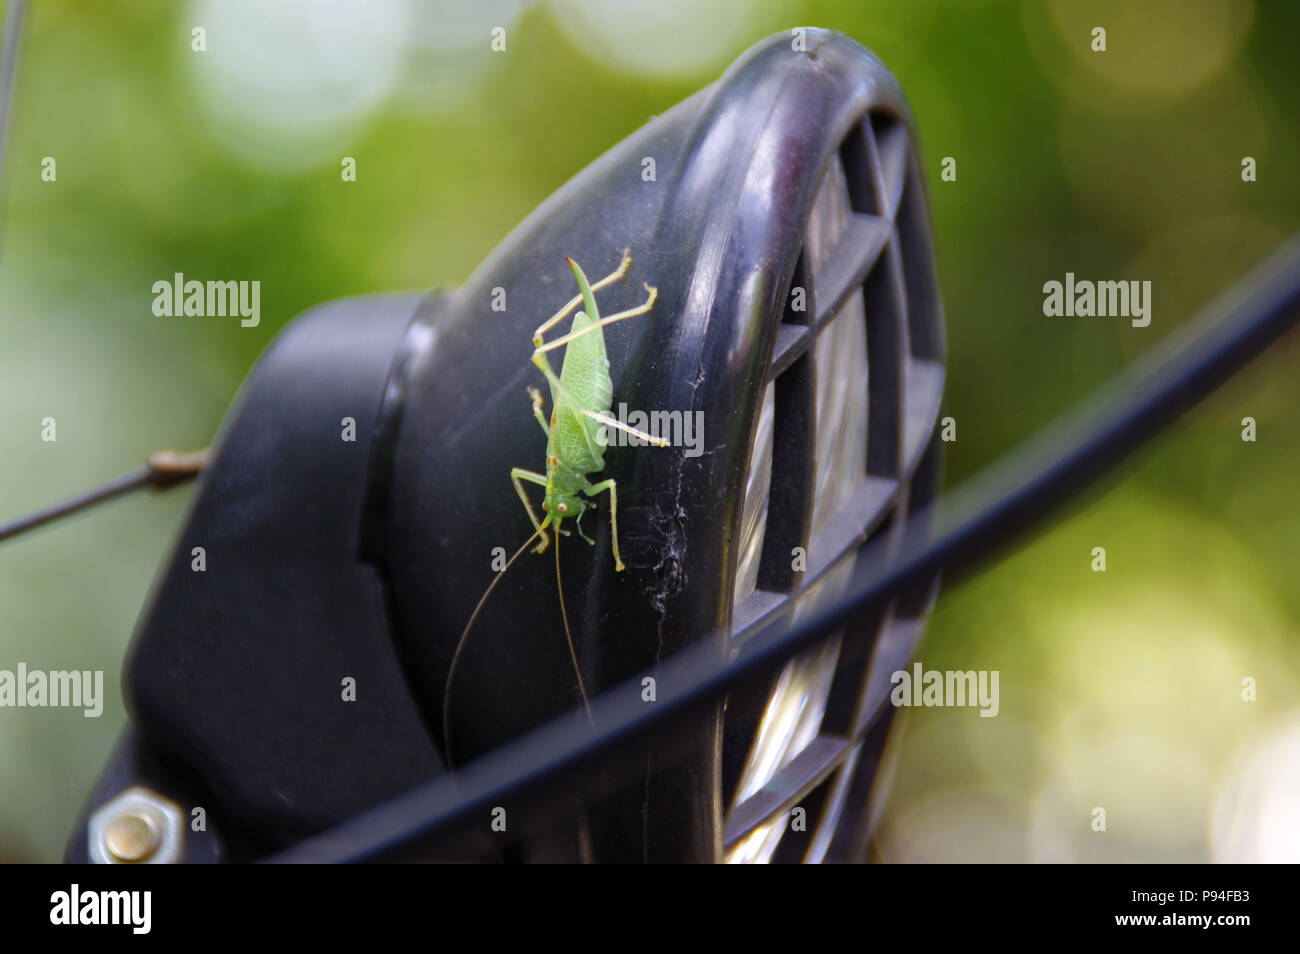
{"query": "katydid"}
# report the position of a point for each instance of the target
(581, 399)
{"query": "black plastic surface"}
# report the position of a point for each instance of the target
(238, 671)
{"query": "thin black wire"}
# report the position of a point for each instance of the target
(983, 516)
(164, 469)
(135, 480)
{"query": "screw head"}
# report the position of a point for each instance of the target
(137, 826)
(133, 836)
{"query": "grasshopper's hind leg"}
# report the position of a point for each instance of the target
(558, 389)
(652, 293)
(517, 474)
(576, 300)
(619, 425)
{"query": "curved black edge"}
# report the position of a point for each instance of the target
(237, 672)
(981, 518)
(413, 354)
(726, 243)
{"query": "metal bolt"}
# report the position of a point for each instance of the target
(133, 836)
(137, 826)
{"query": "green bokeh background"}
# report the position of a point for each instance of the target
(1119, 690)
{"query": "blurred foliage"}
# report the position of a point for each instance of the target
(1118, 689)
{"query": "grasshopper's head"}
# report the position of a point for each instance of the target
(560, 507)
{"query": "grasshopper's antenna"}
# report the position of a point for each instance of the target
(464, 637)
(564, 614)
(163, 469)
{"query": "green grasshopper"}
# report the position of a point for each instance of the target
(581, 399)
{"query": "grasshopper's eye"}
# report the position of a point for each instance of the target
(563, 508)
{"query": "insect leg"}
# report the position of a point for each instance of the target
(577, 525)
(560, 315)
(617, 273)
(591, 491)
(555, 319)
(538, 407)
(615, 423)
(560, 391)
(517, 474)
(653, 293)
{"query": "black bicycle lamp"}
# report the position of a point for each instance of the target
(300, 677)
